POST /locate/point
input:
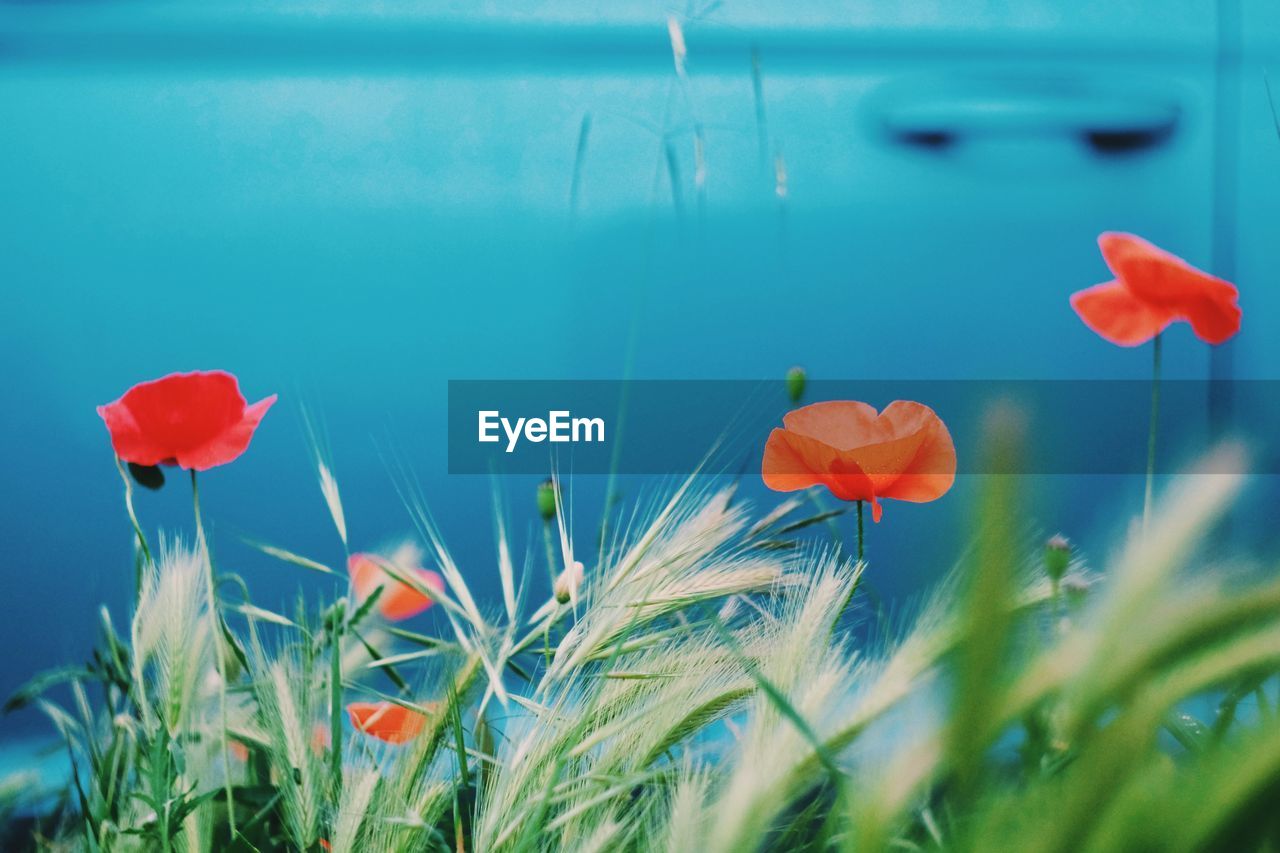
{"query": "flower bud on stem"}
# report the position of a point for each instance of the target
(796, 379)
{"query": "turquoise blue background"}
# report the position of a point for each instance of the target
(350, 205)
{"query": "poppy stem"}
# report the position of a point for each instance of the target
(1055, 607)
(551, 571)
(1151, 433)
(549, 546)
(219, 654)
(144, 549)
(859, 531)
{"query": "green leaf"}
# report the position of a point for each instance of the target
(254, 612)
(419, 639)
(290, 557)
(813, 519)
(366, 607)
(41, 683)
(380, 662)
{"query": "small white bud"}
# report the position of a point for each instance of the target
(568, 583)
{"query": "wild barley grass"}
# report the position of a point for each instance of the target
(699, 691)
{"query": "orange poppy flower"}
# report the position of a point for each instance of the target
(904, 452)
(399, 600)
(239, 751)
(1153, 288)
(386, 721)
(321, 738)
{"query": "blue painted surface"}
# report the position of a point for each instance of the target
(350, 209)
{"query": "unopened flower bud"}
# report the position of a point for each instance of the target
(1057, 556)
(567, 584)
(1076, 590)
(795, 383)
(546, 498)
(147, 476)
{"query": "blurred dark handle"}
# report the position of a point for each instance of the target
(1109, 124)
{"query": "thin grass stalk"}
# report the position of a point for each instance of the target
(1156, 346)
(986, 612)
(335, 699)
(220, 657)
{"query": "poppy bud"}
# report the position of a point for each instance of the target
(546, 498)
(1076, 590)
(1057, 556)
(795, 383)
(147, 476)
(567, 584)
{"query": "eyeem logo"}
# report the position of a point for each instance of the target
(557, 427)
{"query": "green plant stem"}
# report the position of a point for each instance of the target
(538, 632)
(219, 656)
(551, 552)
(611, 496)
(1151, 432)
(552, 573)
(137, 530)
(1056, 612)
(860, 550)
(870, 592)
(335, 700)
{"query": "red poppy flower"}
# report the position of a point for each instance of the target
(904, 452)
(1152, 289)
(386, 721)
(399, 600)
(194, 420)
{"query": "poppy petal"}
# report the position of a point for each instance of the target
(401, 601)
(841, 424)
(790, 462)
(185, 410)
(321, 738)
(884, 460)
(398, 600)
(364, 574)
(846, 480)
(1119, 316)
(931, 471)
(793, 461)
(1213, 321)
(127, 438)
(1154, 275)
(386, 721)
(197, 420)
(903, 452)
(1125, 253)
(1163, 279)
(228, 444)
